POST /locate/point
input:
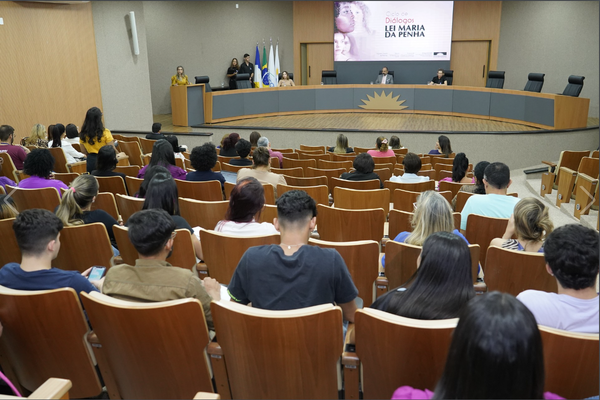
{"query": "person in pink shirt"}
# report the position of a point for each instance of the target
(383, 149)
(39, 164)
(17, 153)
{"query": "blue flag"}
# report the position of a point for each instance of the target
(257, 73)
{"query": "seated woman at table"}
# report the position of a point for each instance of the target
(163, 155)
(531, 224)
(232, 71)
(460, 166)
(180, 78)
(364, 166)
(442, 146)
(285, 80)
(383, 149)
(246, 201)
(341, 145)
(38, 165)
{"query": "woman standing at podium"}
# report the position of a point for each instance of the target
(232, 72)
(179, 78)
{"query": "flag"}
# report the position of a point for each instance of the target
(277, 68)
(257, 74)
(265, 70)
(271, 67)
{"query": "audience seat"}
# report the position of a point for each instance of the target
(60, 161)
(106, 201)
(322, 149)
(233, 168)
(147, 145)
(66, 177)
(551, 179)
(353, 199)
(205, 214)
(291, 163)
(453, 187)
(206, 191)
(320, 194)
(323, 164)
(481, 230)
(25, 199)
(384, 174)
(158, 350)
(297, 171)
(133, 184)
(269, 192)
(411, 187)
(308, 181)
(43, 337)
(570, 178)
(129, 170)
(358, 149)
(312, 156)
(133, 151)
(260, 365)
(358, 185)
(341, 225)
(128, 205)
(385, 160)
(329, 173)
(8, 168)
(84, 246)
(343, 157)
(9, 248)
(535, 82)
(111, 184)
(400, 221)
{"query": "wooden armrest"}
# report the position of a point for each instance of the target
(93, 339)
(568, 170)
(53, 388)
(381, 285)
(219, 369)
(77, 163)
(202, 269)
(480, 287)
(550, 163)
(207, 395)
(351, 364)
(384, 241)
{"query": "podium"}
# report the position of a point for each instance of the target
(187, 104)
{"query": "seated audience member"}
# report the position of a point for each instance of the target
(364, 166)
(38, 137)
(17, 153)
(204, 159)
(8, 208)
(478, 187)
(141, 193)
(72, 134)
(531, 223)
(242, 147)
(496, 180)
(228, 147)
(58, 140)
(38, 236)
(496, 353)
(263, 141)
(3, 179)
(38, 165)
(299, 275)
(341, 145)
(432, 214)
(395, 143)
(246, 201)
(383, 149)
(76, 206)
(161, 193)
(261, 169)
(152, 278)
(440, 287)
(156, 132)
(412, 165)
(107, 162)
(177, 149)
(163, 155)
(571, 254)
(460, 166)
(442, 146)
(254, 136)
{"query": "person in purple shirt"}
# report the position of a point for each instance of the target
(39, 164)
(264, 142)
(17, 153)
(162, 154)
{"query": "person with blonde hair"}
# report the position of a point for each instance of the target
(8, 208)
(341, 145)
(180, 78)
(38, 137)
(383, 149)
(76, 207)
(531, 224)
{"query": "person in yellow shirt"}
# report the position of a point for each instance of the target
(93, 136)
(179, 78)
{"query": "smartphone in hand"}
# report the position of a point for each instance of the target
(96, 273)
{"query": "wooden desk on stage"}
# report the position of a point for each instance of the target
(541, 110)
(187, 104)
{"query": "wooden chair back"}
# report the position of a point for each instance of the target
(76, 146)
(217, 167)
(461, 200)
(42, 337)
(411, 187)
(224, 159)
(179, 162)
(269, 192)
(75, 254)
(158, 350)
(322, 149)
(146, 158)
(188, 165)
(288, 150)
(123, 138)
(320, 193)
(133, 151)
(585, 194)
(300, 151)
(309, 181)
(343, 157)
(133, 184)
(106, 201)
(358, 185)
(292, 155)
(514, 271)
(594, 154)
(353, 199)
(60, 160)
(268, 213)
(570, 363)
(454, 187)
(8, 168)
(112, 184)
(589, 166)
(297, 172)
(341, 225)
(227, 250)
(400, 221)
(147, 145)
(129, 170)
(205, 214)
(444, 174)
(9, 248)
(128, 205)
(329, 173)
(362, 260)
(25, 199)
(481, 230)
(417, 358)
(66, 177)
(359, 150)
(79, 167)
(233, 168)
(304, 164)
(262, 366)
(403, 151)
(404, 200)
(347, 165)
(430, 173)
(312, 156)
(127, 252)
(569, 159)
(435, 158)
(206, 191)
(384, 173)
(385, 160)
(400, 262)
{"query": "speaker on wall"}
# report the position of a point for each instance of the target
(134, 37)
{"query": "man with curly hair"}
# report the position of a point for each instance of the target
(203, 159)
(38, 165)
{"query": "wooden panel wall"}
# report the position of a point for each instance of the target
(48, 65)
(473, 20)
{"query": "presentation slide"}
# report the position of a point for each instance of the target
(392, 30)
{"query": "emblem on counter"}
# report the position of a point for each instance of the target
(383, 102)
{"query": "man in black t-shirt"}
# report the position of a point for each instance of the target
(293, 274)
(247, 68)
(439, 79)
(156, 132)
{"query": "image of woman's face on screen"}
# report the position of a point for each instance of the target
(341, 46)
(345, 20)
(359, 18)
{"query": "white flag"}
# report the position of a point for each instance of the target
(271, 67)
(277, 67)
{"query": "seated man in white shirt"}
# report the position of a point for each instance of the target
(571, 253)
(412, 165)
(384, 78)
(495, 203)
